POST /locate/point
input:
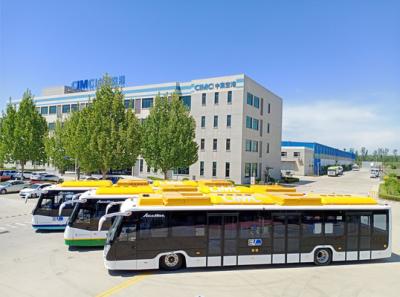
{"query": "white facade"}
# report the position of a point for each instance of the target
(297, 161)
(237, 151)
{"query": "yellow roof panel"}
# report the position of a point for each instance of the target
(124, 190)
(271, 188)
(132, 182)
(86, 183)
(215, 183)
(160, 183)
(230, 189)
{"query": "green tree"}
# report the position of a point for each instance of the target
(168, 135)
(55, 146)
(23, 132)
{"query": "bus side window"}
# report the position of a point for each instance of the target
(187, 224)
(380, 223)
(128, 230)
(311, 225)
(334, 225)
(250, 225)
(153, 225)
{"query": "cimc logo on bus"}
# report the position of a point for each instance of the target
(92, 84)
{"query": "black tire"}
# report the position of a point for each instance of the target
(171, 261)
(4, 191)
(323, 257)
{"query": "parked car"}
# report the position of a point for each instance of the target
(33, 191)
(50, 177)
(19, 176)
(355, 167)
(37, 175)
(4, 176)
(12, 186)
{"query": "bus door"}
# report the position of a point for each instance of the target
(358, 239)
(285, 238)
(222, 245)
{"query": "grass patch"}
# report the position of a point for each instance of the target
(390, 189)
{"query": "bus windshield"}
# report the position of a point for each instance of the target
(112, 232)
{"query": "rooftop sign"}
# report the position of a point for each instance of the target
(215, 86)
(92, 84)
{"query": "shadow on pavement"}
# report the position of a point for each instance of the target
(130, 273)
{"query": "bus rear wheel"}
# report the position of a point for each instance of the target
(322, 257)
(171, 261)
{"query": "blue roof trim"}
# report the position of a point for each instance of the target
(320, 149)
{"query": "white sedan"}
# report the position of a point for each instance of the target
(34, 191)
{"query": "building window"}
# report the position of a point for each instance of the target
(74, 107)
(249, 122)
(141, 165)
(202, 144)
(214, 169)
(254, 146)
(283, 154)
(256, 102)
(255, 124)
(269, 108)
(44, 110)
(203, 121)
(228, 144)
(267, 147)
(248, 145)
(250, 99)
(215, 144)
(148, 169)
(187, 101)
(127, 103)
(227, 169)
(229, 99)
(247, 169)
(53, 109)
(147, 102)
(262, 106)
(181, 171)
(268, 128)
(203, 99)
(296, 154)
(228, 120)
(201, 168)
(52, 126)
(66, 108)
(216, 98)
(215, 121)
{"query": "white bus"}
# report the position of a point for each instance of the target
(45, 215)
(234, 230)
(81, 229)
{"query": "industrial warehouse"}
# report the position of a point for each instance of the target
(310, 158)
(238, 122)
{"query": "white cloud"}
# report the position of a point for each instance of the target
(342, 124)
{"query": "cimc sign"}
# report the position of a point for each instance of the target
(215, 86)
(92, 84)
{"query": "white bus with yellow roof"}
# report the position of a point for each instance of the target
(81, 229)
(169, 231)
(45, 215)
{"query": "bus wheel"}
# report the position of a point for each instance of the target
(322, 257)
(171, 261)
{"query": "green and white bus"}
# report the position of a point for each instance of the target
(81, 229)
(45, 215)
(236, 230)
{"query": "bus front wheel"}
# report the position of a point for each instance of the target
(322, 257)
(171, 261)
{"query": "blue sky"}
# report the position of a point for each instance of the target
(336, 64)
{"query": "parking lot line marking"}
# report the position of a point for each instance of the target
(12, 226)
(123, 285)
(19, 224)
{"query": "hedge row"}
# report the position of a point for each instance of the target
(384, 195)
